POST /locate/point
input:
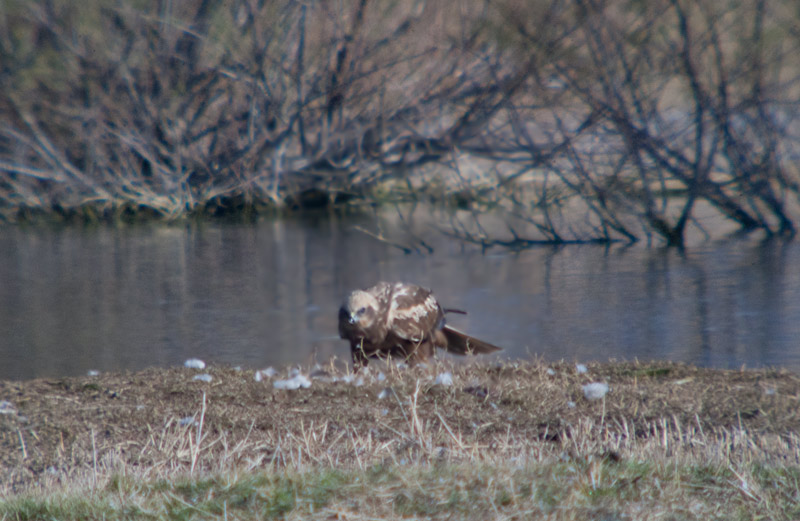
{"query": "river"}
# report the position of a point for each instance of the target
(74, 299)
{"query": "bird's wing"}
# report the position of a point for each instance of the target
(460, 343)
(414, 312)
(382, 291)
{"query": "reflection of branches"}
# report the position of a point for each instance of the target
(417, 244)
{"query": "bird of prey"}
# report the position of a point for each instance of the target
(402, 321)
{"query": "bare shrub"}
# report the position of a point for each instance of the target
(579, 121)
(643, 112)
(179, 107)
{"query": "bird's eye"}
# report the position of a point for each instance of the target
(361, 311)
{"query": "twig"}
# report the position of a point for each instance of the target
(196, 450)
(22, 445)
(94, 462)
(416, 426)
(380, 237)
(456, 439)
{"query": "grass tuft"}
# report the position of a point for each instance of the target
(668, 441)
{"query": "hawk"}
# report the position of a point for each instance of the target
(401, 321)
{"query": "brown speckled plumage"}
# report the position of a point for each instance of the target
(402, 321)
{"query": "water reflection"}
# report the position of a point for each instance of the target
(255, 295)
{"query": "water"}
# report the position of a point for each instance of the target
(103, 298)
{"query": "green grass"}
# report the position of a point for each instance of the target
(581, 488)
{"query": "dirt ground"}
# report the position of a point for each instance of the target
(54, 428)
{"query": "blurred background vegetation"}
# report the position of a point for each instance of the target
(576, 120)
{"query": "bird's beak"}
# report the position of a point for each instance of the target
(352, 319)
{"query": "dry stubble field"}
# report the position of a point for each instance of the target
(508, 440)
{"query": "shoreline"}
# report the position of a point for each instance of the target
(64, 435)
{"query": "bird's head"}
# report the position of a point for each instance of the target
(359, 309)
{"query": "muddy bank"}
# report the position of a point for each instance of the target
(160, 421)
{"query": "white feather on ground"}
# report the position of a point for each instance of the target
(595, 390)
(295, 382)
(194, 363)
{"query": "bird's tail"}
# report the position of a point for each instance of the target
(460, 343)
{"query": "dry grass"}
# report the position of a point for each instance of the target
(669, 441)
